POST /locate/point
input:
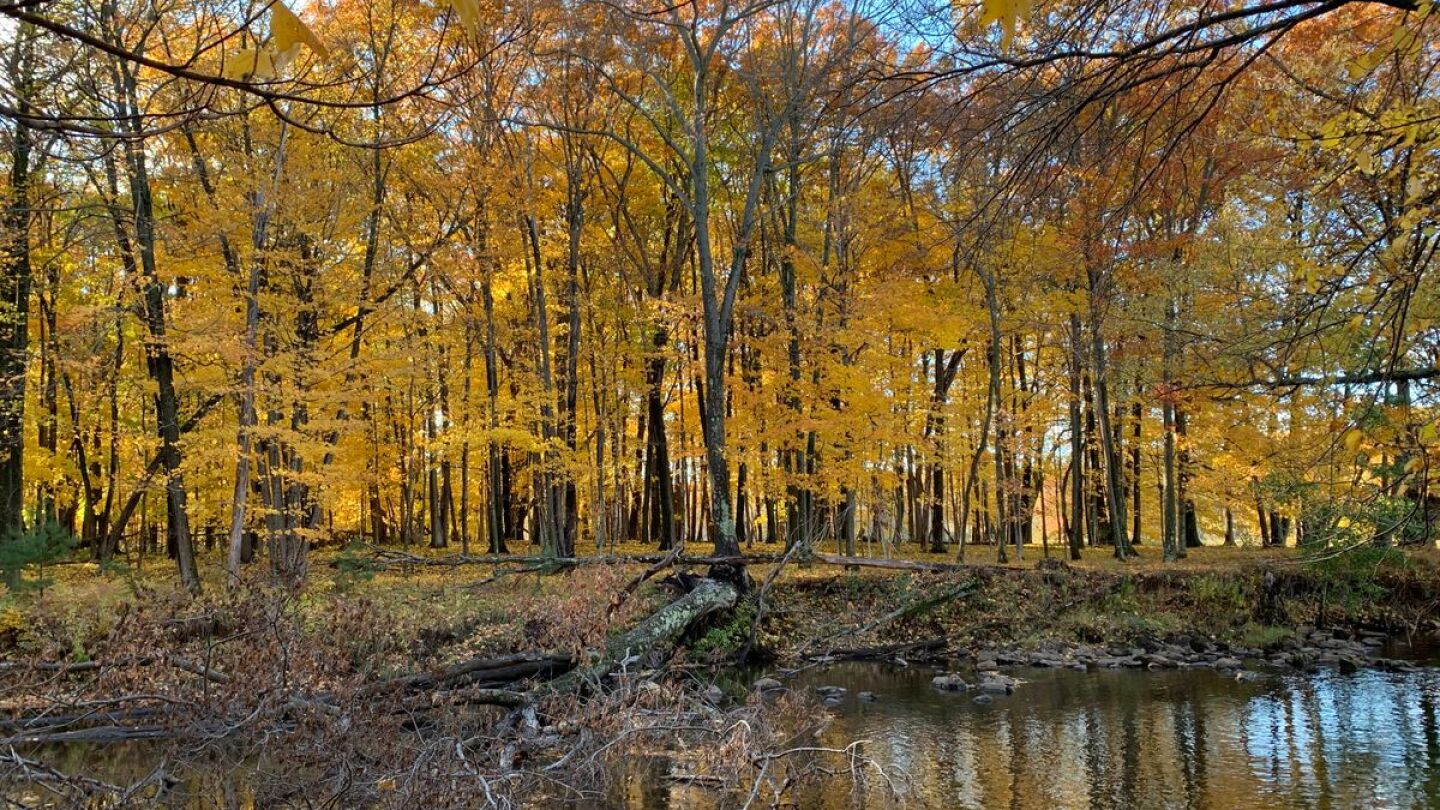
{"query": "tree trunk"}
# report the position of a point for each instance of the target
(1077, 443)
(15, 276)
(264, 205)
(1189, 521)
(1114, 486)
(159, 363)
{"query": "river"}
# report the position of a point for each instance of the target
(1127, 739)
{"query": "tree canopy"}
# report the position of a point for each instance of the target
(866, 276)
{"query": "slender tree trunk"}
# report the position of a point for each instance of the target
(1077, 442)
(1114, 486)
(158, 359)
(264, 206)
(1189, 520)
(1137, 414)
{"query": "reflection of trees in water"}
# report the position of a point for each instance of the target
(1164, 739)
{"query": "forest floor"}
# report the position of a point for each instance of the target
(129, 656)
(430, 612)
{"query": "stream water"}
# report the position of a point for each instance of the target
(1065, 739)
(1129, 739)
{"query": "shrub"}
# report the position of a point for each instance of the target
(44, 544)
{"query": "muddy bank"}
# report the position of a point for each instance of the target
(1055, 615)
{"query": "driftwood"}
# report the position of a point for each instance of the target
(52, 721)
(96, 734)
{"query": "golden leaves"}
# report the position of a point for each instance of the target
(287, 33)
(469, 13)
(250, 64)
(1008, 13)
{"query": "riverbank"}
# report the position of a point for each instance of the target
(1228, 613)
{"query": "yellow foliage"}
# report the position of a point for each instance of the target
(469, 13)
(250, 64)
(287, 31)
(1008, 13)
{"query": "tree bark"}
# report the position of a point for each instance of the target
(15, 279)
(158, 360)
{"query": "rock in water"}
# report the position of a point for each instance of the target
(998, 685)
(868, 697)
(983, 699)
(949, 683)
(767, 685)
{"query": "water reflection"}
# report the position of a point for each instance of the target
(1192, 739)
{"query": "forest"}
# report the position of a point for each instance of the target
(313, 312)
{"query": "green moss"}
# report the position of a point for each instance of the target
(727, 638)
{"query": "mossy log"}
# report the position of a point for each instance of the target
(663, 628)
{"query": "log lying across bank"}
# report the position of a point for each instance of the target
(660, 630)
(664, 627)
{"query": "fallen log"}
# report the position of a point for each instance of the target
(500, 671)
(906, 610)
(663, 627)
(97, 734)
(468, 697)
(386, 558)
(52, 722)
(897, 565)
(76, 667)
